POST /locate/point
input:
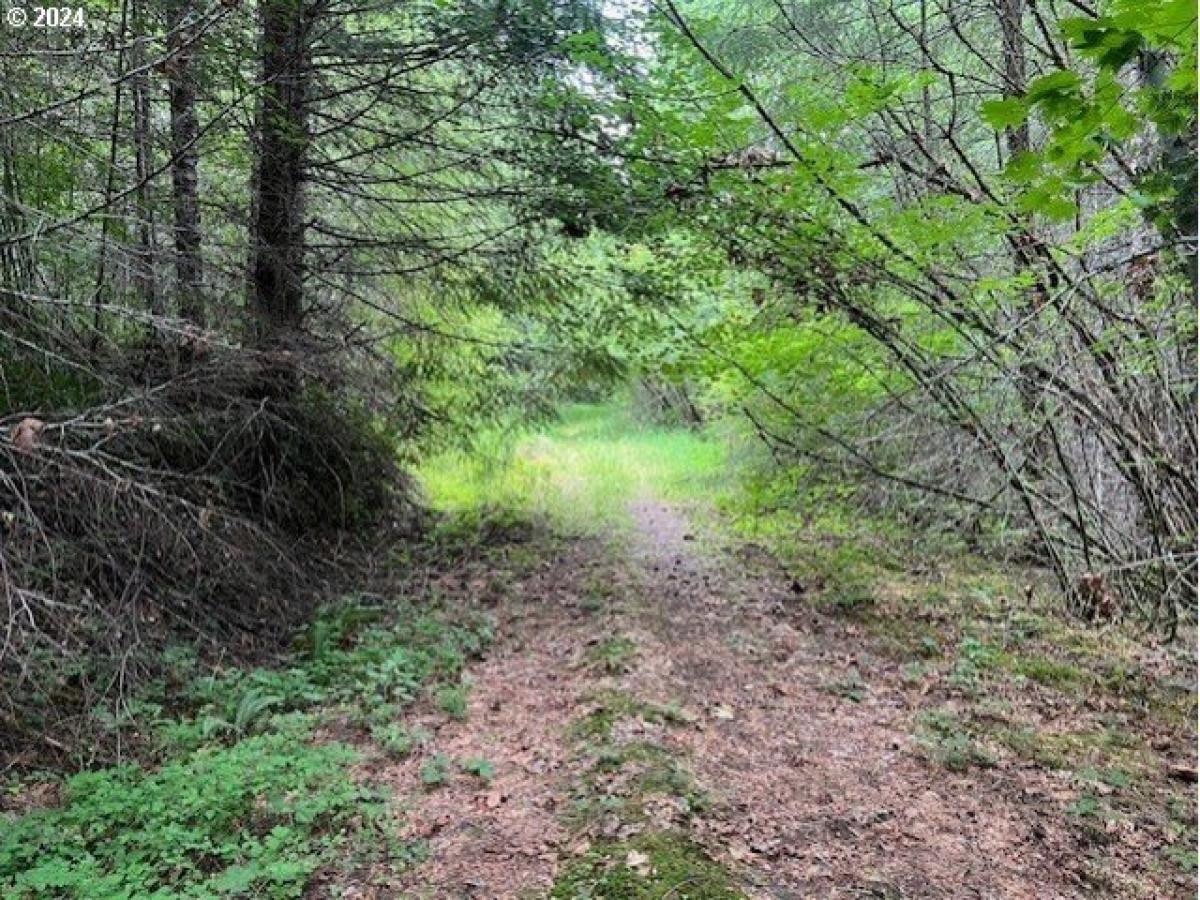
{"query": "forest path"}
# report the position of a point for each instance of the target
(661, 685)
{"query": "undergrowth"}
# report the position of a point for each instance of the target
(200, 510)
(244, 799)
(642, 789)
(252, 819)
(367, 657)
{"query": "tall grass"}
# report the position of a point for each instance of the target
(581, 473)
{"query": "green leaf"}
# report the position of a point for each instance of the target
(1023, 167)
(1001, 114)
(1057, 84)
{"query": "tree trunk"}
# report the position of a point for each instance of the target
(283, 138)
(16, 262)
(98, 291)
(185, 131)
(147, 249)
(1012, 36)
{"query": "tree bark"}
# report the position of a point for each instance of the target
(185, 181)
(147, 239)
(1012, 35)
(283, 138)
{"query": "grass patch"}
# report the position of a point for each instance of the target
(613, 654)
(651, 866)
(948, 741)
(1109, 749)
(851, 687)
(580, 473)
(452, 700)
(1049, 672)
(612, 706)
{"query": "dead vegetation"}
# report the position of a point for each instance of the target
(203, 506)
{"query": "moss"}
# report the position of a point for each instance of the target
(626, 776)
(612, 706)
(612, 654)
(665, 864)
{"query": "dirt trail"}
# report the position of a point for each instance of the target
(800, 739)
(501, 839)
(820, 796)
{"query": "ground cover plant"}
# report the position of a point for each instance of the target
(240, 796)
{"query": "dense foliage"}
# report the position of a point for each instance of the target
(936, 259)
(943, 252)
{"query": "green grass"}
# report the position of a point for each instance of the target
(580, 473)
(612, 655)
(948, 741)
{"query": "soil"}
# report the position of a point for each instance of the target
(796, 731)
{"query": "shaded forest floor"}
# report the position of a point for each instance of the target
(641, 700)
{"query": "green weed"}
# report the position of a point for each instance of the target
(244, 803)
(452, 700)
(253, 818)
(436, 770)
(397, 739)
(612, 654)
(949, 742)
(353, 657)
(851, 688)
(1183, 855)
(481, 768)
